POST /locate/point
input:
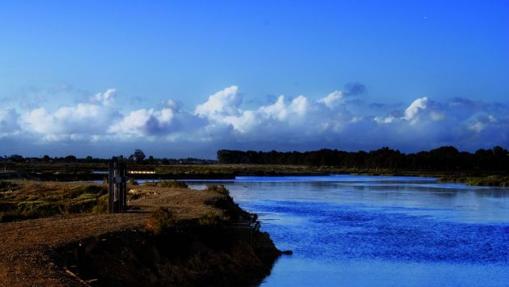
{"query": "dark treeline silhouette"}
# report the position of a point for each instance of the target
(445, 158)
(137, 158)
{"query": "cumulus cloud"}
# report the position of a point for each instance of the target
(280, 110)
(296, 122)
(144, 122)
(415, 108)
(280, 114)
(332, 99)
(224, 102)
(82, 121)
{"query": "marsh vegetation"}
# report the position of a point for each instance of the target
(21, 200)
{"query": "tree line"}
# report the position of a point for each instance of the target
(138, 157)
(446, 158)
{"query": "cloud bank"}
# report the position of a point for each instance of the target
(340, 119)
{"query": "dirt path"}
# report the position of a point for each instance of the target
(26, 246)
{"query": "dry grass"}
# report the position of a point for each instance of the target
(21, 200)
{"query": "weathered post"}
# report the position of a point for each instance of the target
(117, 181)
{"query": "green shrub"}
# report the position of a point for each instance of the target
(210, 218)
(101, 204)
(38, 208)
(87, 196)
(83, 203)
(93, 189)
(171, 184)
(77, 191)
(218, 188)
(161, 219)
(491, 180)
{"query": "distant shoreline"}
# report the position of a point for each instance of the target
(96, 172)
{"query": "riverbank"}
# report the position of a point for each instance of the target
(171, 236)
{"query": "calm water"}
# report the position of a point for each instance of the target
(380, 231)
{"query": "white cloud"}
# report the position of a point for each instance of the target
(385, 120)
(299, 106)
(281, 111)
(277, 110)
(481, 122)
(82, 121)
(106, 98)
(144, 122)
(332, 99)
(224, 102)
(277, 114)
(286, 123)
(417, 106)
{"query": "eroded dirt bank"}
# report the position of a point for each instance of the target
(192, 254)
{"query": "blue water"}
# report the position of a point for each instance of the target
(380, 231)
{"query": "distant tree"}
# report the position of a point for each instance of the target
(445, 158)
(70, 158)
(46, 158)
(137, 156)
(151, 159)
(16, 158)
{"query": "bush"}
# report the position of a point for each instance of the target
(83, 203)
(102, 204)
(218, 188)
(38, 208)
(168, 184)
(78, 191)
(492, 180)
(96, 189)
(162, 219)
(210, 218)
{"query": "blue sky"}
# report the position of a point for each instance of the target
(139, 70)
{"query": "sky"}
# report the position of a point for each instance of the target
(185, 78)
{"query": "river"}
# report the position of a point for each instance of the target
(349, 230)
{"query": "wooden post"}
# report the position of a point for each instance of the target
(117, 181)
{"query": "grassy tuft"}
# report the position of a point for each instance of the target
(38, 208)
(210, 218)
(30, 200)
(162, 219)
(218, 188)
(168, 184)
(101, 205)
